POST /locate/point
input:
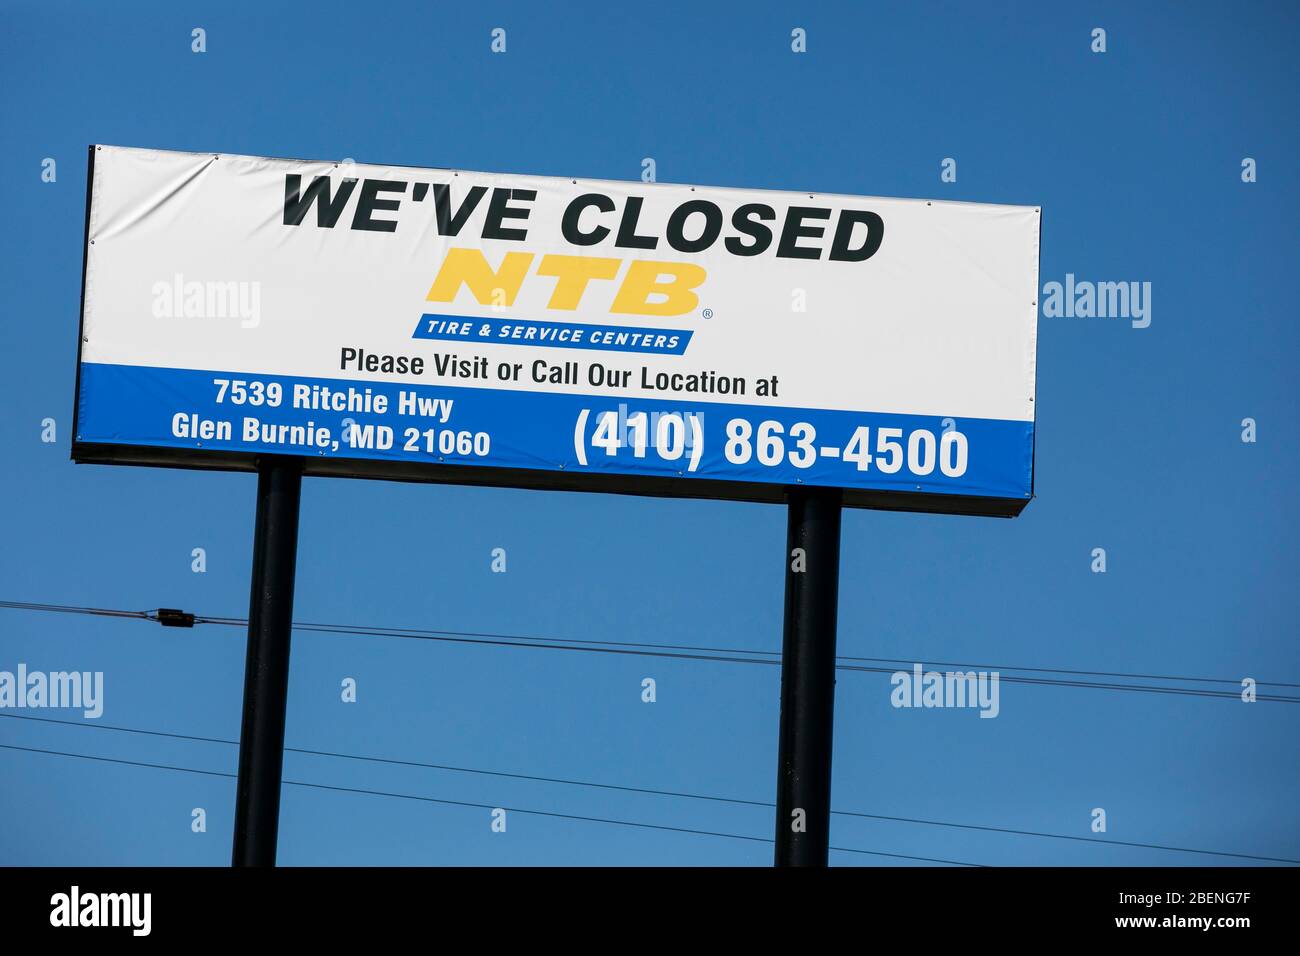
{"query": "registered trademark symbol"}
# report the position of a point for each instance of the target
(707, 313)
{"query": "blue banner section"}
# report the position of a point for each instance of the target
(678, 437)
(560, 335)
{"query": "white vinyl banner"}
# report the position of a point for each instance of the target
(730, 340)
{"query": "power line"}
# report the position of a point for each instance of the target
(455, 637)
(653, 826)
(728, 655)
(666, 793)
(72, 609)
(1060, 670)
(1095, 685)
(472, 636)
(463, 803)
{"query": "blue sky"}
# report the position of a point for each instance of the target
(1135, 158)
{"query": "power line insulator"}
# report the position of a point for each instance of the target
(174, 617)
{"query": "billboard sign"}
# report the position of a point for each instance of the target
(443, 325)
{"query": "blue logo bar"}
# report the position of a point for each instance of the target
(559, 335)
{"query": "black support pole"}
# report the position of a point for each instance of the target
(266, 671)
(812, 585)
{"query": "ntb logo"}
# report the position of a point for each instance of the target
(647, 287)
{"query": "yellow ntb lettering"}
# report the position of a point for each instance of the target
(643, 280)
(470, 267)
